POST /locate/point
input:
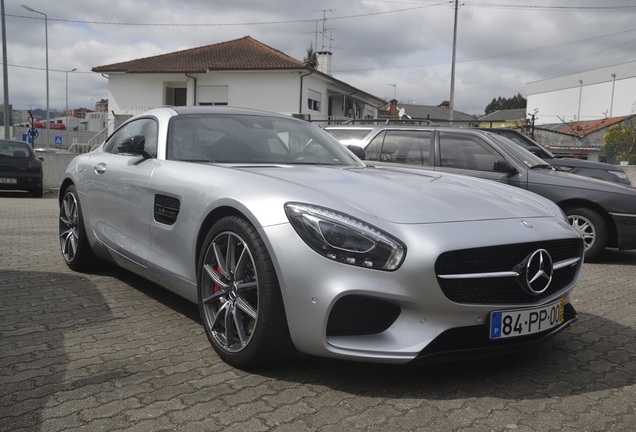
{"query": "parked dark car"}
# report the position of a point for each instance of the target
(603, 212)
(599, 170)
(20, 168)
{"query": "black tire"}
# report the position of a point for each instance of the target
(592, 228)
(240, 302)
(76, 250)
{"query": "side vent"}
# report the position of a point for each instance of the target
(166, 209)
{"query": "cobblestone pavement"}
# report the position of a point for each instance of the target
(109, 351)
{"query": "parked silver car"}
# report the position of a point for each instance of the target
(287, 241)
(603, 212)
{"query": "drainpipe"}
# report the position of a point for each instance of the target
(194, 93)
(300, 100)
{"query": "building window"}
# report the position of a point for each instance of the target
(313, 100)
(213, 95)
(176, 96)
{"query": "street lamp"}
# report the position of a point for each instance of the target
(578, 116)
(612, 102)
(46, 36)
(72, 70)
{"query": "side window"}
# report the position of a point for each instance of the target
(465, 152)
(411, 147)
(145, 126)
(372, 151)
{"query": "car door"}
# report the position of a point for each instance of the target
(468, 154)
(117, 190)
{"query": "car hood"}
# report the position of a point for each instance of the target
(411, 196)
(582, 163)
(569, 180)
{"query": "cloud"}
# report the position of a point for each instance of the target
(501, 44)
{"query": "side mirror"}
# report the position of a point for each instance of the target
(357, 150)
(133, 145)
(503, 166)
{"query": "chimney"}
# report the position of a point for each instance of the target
(324, 62)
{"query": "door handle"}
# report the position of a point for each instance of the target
(100, 168)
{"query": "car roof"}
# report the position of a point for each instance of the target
(198, 109)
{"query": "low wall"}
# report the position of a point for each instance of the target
(54, 165)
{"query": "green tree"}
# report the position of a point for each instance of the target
(620, 144)
(311, 59)
(500, 103)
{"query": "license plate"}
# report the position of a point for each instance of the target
(521, 322)
(8, 180)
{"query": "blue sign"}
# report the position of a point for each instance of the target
(33, 133)
(58, 139)
(26, 138)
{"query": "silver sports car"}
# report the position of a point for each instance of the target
(289, 243)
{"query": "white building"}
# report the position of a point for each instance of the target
(242, 73)
(597, 94)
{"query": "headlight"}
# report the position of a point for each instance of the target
(620, 174)
(345, 239)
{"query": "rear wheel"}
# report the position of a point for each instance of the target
(239, 297)
(592, 228)
(76, 250)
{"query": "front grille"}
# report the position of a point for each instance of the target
(355, 315)
(505, 258)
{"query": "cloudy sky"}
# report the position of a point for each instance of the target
(384, 47)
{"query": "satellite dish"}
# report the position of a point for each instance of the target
(401, 112)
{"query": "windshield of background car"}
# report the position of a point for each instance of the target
(526, 143)
(14, 149)
(521, 154)
(253, 139)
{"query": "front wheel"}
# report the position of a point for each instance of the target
(76, 250)
(239, 296)
(591, 226)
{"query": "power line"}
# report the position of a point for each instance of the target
(307, 20)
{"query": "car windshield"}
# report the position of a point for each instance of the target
(253, 139)
(522, 155)
(13, 149)
(526, 143)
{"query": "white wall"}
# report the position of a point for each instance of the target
(557, 99)
(271, 91)
(277, 91)
(126, 91)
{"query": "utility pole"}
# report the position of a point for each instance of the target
(451, 106)
(5, 73)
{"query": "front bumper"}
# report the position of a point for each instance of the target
(470, 343)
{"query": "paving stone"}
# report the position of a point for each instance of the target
(107, 350)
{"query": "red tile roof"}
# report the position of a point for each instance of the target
(584, 128)
(241, 54)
